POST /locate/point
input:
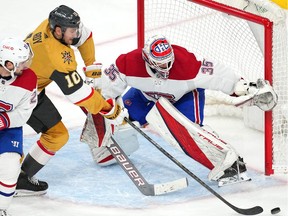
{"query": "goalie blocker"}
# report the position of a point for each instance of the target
(197, 142)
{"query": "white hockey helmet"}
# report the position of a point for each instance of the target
(15, 51)
(158, 54)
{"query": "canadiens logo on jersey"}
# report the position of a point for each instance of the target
(157, 95)
(66, 56)
(161, 48)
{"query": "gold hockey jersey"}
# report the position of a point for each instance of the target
(54, 61)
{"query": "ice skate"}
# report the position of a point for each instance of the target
(234, 174)
(27, 186)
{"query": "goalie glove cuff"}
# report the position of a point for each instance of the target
(244, 88)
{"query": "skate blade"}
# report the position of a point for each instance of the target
(27, 193)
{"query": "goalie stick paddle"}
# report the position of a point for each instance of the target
(140, 182)
(248, 211)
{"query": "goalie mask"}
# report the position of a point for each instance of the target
(65, 17)
(15, 51)
(158, 54)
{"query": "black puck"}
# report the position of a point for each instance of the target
(275, 210)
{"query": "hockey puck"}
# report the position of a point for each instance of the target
(275, 210)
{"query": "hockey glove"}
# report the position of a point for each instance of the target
(118, 112)
(265, 98)
(93, 75)
(260, 94)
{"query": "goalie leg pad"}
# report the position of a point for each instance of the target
(203, 146)
(98, 136)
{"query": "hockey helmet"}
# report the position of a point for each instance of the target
(15, 51)
(63, 17)
(158, 54)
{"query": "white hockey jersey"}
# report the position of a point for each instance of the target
(18, 97)
(187, 74)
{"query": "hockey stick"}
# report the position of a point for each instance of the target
(140, 182)
(143, 186)
(250, 211)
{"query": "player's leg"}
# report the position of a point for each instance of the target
(11, 149)
(46, 120)
(96, 133)
(200, 144)
(137, 105)
(192, 104)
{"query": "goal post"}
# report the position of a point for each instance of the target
(250, 36)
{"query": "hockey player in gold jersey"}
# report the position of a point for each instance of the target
(54, 60)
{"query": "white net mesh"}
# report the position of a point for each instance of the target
(233, 41)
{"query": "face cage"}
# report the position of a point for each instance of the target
(162, 72)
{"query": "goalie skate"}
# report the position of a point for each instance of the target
(241, 177)
(234, 174)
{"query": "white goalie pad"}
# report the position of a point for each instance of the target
(97, 134)
(200, 144)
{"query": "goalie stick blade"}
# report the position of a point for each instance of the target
(170, 186)
(140, 182)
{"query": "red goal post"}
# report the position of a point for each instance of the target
(248, 35)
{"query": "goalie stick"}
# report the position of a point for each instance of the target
(249, 211)
(140, 182)
(137, 178)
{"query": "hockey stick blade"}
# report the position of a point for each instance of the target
(140, 182)
(248, 211)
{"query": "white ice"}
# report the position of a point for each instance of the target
(78, 187)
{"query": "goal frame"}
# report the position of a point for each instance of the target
(268, 41)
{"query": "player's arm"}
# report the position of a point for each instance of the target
(217, 76)
(74, 88)
(20, 115)
(115, 79)
(79, 93)
(86, 46)
(16, 115)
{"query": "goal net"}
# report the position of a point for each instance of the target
(248, 35)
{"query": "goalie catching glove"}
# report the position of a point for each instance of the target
(260, 94)
(117, 113)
